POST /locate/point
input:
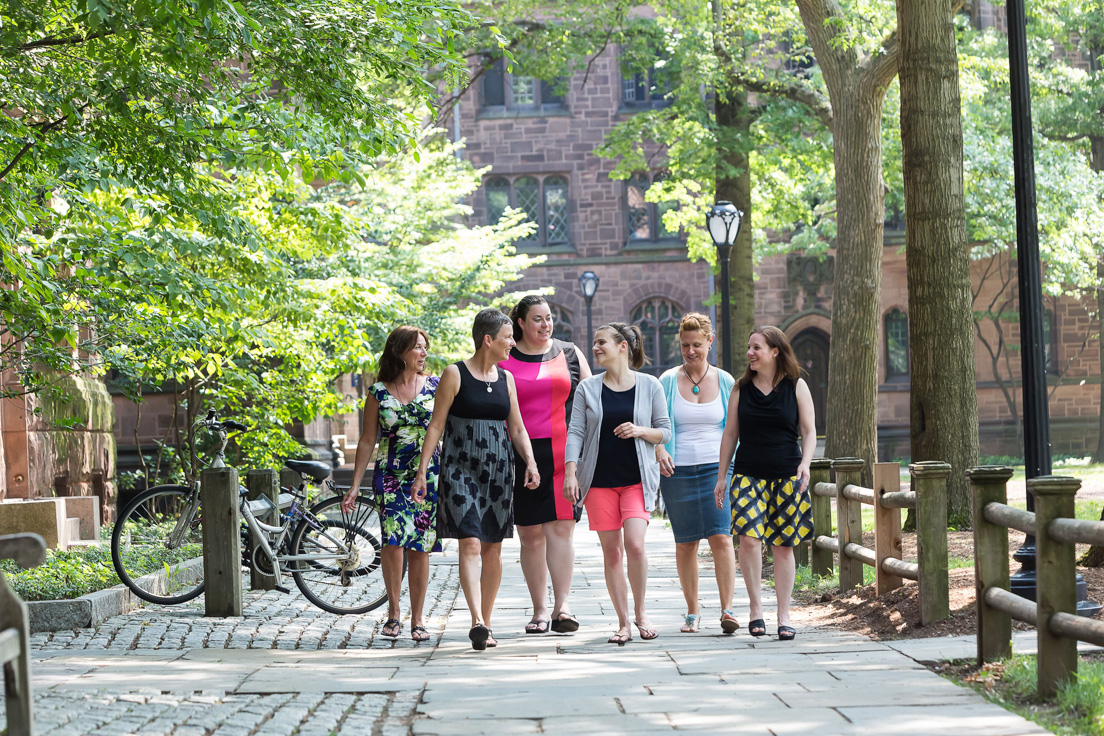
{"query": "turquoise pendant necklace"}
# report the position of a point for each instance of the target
(695, 388)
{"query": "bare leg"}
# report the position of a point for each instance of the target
(686, 561)
(560, 547)
(469, 578)
(724, 564)
(491, 578)
(751, 568)
(534, 569)
(391, 562)
(616, 584)
(783, 581)
(635, 529)
(418, 577)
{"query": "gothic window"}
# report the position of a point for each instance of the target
(658, 319)
(647, 88)
(645, 219)
(509, 90)
(544, 201)
(897, 346)
(561, 322)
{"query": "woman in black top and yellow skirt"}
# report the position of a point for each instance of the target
(476, 410)
(770, 414)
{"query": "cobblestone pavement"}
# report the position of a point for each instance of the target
(286, 668)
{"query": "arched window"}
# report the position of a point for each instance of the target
(645, 219)
(561, 322)
(897, 346)
(544, 201)
(658, 319)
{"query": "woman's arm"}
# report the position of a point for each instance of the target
(729, 438)
(520, 437)
(584, 364)
(366, 448)
(806, 422)
(576, 433)
(447, 389)
(659, 433)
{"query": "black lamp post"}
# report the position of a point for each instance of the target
(723, 222)
(1036, 413)
(588, 282)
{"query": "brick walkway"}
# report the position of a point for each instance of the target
(286, 668)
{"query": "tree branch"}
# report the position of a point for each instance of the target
(786, 89)
(67, 41)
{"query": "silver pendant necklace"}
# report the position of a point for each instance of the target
(690, 378)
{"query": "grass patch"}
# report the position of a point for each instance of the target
(1077, 709)
(73, 573)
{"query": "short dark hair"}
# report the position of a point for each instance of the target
(521, 311)
(488, 322)
(401, 339)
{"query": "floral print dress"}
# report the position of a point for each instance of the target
(402, 431)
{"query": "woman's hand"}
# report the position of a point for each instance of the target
(719, 492)
(571, 486)
(628, 430)
(418, 488)
(666, 462)
(532, 476)
(802, 476)
(349, 501)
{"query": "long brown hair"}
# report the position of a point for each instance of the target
(785, 364)
(630, 334)
(401, 339)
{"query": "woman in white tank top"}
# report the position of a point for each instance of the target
(697, 401)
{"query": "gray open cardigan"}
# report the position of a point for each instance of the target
(649, 410)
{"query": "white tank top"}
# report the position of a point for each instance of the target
(698, 440)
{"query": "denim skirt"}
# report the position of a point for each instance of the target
(688, 499)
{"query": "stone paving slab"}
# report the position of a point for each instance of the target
(285, 667)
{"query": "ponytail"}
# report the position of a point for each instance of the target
(630, 334)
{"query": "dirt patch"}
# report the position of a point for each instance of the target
(896, 615)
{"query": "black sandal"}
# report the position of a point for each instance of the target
(786, 633)
(419, 633)
(395, 625)
(757, 627)
(479, 635)
(565, 623)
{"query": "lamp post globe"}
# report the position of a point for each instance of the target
(588, 282)
(723, 222)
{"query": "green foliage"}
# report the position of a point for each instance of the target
(73, 573)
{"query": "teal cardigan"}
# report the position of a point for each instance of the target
(669, 381)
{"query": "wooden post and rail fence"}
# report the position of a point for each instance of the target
(928, 497)
(1054, 610)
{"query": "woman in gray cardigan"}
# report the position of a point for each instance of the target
(617, 420)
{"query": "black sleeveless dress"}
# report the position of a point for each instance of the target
(474, 492)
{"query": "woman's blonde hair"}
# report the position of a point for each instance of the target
(696, 322)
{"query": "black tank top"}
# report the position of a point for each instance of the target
(474, 401)
(769, 447)
(617, 465)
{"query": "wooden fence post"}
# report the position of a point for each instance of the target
(221, 542)
(887, 526)
(929, 481)
(264, 483)
(994, 635)
(1056, 586)
(849, 520)
(820, 471)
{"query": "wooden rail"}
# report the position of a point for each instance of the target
(1053, 613)
(928, 497)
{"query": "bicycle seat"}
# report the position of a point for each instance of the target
(312, 469)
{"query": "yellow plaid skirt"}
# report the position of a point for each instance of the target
(771, 510)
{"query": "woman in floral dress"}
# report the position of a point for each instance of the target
(397, 410)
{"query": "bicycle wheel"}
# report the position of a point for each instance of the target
(154, 568)
(333, 581)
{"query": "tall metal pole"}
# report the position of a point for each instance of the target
(723, 252)
(590, 331)
(1036, 414)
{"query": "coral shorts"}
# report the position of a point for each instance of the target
(608, 508)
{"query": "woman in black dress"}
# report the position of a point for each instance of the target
(476, 410)
(770, 412)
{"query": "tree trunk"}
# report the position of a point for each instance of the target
(851, 427)
(734, 184)
(1098, 455)
(943, 396)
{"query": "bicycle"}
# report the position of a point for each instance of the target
(157, 542)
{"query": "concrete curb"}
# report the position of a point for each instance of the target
(92, 609)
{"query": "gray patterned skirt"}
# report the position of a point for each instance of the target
(475, 487)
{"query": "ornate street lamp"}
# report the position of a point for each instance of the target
(588, 282)
(723, 222)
